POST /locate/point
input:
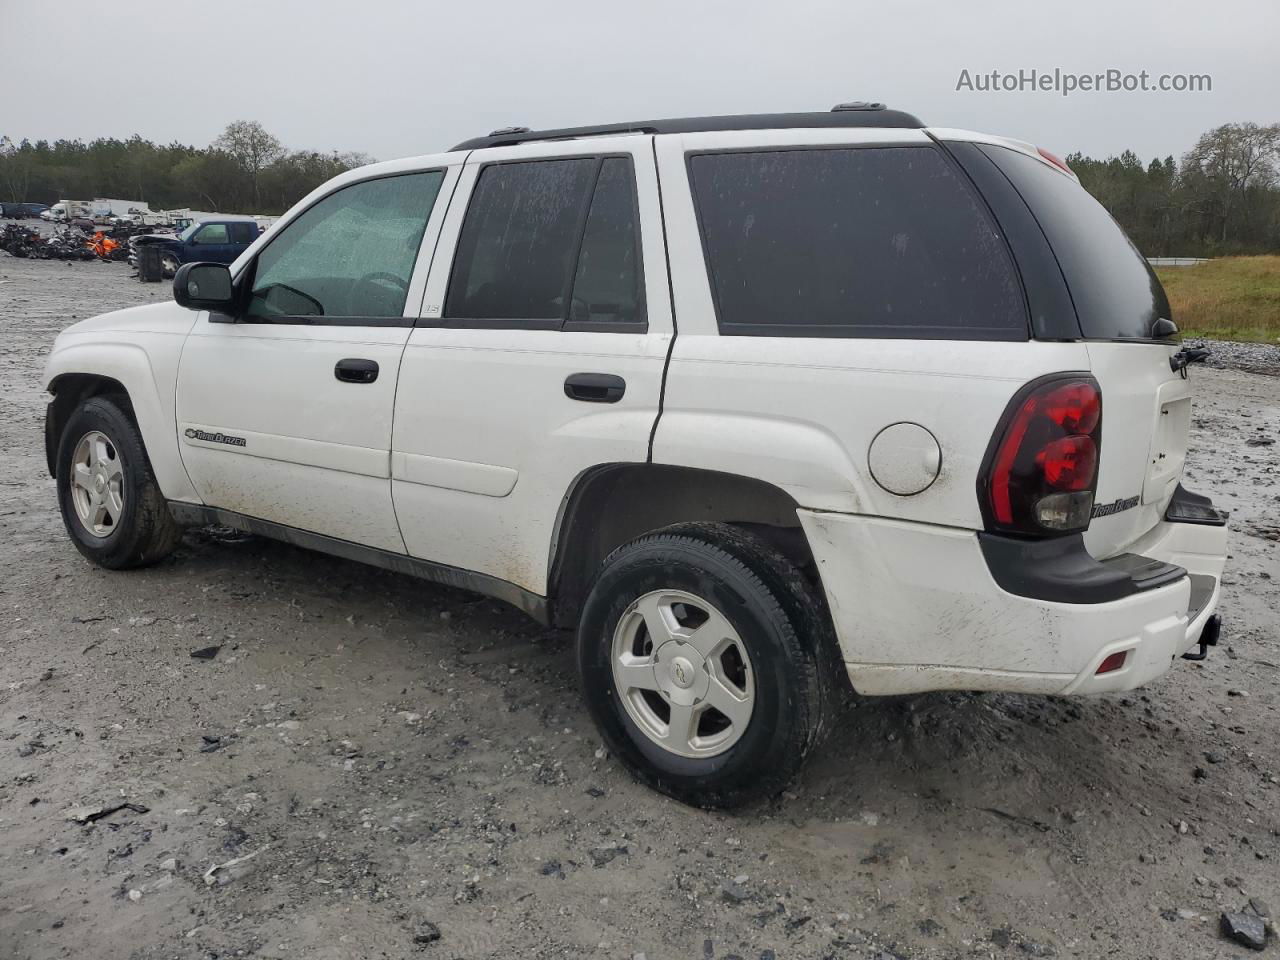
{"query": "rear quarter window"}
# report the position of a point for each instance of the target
(853, 242)
(1116, 294)
(244, 232)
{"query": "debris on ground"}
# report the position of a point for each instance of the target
(85, 815)
(425, 932)
(222, 872)
(603, 855)
(1245, 928)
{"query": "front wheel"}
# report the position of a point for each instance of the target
(111, 504)
(702, 658)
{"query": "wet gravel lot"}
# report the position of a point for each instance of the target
(364, 765)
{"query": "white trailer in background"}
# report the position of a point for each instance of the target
(182, 217)
(68, 210)
(106, 207)
(100, 208)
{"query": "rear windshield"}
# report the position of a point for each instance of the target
(853, 242)
(1116, 295)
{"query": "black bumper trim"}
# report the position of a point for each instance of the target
(1188, 507)
(1061, 570)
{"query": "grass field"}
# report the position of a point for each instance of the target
(1234, 298)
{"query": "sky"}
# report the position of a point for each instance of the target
(394, 78)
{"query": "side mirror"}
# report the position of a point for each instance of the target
(203, 286)
(1163, 329)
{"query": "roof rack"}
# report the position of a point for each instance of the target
(855, 114)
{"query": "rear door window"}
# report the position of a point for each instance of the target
(519, 240)
(1116, 294)
(853, 242)
(550, 244)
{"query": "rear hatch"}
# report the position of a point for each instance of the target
(1146, 405)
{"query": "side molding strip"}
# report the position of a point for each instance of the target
(192, 514)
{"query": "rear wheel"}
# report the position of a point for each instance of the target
(702, 657)
(111, 505)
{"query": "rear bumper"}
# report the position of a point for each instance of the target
(917, 608)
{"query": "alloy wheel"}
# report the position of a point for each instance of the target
(97, 483)
(683, 673)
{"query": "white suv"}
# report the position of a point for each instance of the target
(757, 403)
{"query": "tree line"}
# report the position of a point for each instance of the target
(1222, 198)
(245, 170)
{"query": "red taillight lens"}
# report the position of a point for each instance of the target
(1042, 471)
(1112, 663)
(1069, 464)
(1075, 407)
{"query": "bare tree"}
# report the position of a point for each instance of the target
(252, 148)
(15, 168)
(1233, 158)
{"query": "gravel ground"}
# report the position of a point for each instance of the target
(371, 766)
(1261, 358)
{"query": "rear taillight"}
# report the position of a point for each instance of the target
(1041, 470)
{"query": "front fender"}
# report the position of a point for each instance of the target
(146, 366)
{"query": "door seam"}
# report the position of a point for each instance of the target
(671, 298)
(395, 391)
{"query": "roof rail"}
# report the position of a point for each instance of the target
(855, 114)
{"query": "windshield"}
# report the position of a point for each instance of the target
(186, 234)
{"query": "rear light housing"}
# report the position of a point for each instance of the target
(1040, 473)
(1056, 160)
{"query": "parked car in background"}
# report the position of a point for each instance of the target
(921, 424)
(211, 241)
(22, 211)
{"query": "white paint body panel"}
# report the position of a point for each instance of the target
(317, 450)
(140, 348)
(767, 407)
(915, 608)
(486, 443)
(1146, 417)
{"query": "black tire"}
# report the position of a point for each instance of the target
(146, 531)
(787, 636)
